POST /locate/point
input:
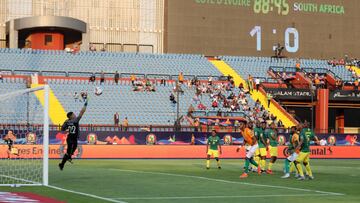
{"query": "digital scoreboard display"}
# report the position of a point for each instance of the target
(305, 28)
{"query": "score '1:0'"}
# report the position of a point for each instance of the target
(289, 31)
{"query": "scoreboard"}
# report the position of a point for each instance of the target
(305, 28)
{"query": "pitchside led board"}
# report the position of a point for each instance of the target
(305, 28)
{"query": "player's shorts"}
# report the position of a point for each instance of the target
(250, 153)
(213, 153)
(261, 152)
(273, 151)
(303, 157)
(293, 157)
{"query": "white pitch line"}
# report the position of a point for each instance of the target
(87, 195)
(226, 181)
(217, 197)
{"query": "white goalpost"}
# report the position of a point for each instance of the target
(24, 136)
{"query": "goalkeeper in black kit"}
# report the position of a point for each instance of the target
(71, 126)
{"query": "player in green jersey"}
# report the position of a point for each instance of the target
(306, 135)
(213, 149)
(261, 151)
(271, 135)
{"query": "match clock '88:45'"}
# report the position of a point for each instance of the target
(291, 38)
(266, 6)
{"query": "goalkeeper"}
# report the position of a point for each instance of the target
(71, 126)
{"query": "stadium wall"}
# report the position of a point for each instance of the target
(121, 25)
(170, 152)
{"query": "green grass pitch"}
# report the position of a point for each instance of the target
(189, 181)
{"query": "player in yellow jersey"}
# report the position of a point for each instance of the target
(271, 135)
(249, 138)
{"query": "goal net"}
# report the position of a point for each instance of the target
(24, 131)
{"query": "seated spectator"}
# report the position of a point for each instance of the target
(116, 77)
(214, 104)
(172, 98)
(102, 77)
(133, 79)
(338, 84)
(83, 95)
(76, 96)
(181, 77)
(356, 84)
(201, 106)
(92, 47)
(210, 80)
(92, 77)
(241, 86)
(191, 110)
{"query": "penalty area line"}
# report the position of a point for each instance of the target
(87, 195)
(216, 197)
(225, 181)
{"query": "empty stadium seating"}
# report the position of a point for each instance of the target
(40, 60)
(258, 66)
(15, 109)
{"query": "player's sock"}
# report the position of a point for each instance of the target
(300, 169)
(263, 164)
(257, 159)
(292, 167)
(208, 163)
(247, 163)
(218, 162)
(287, 166)
(308, 169)
(270, 166)
(65, 158)
(253, 162)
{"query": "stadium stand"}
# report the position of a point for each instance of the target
(42, 60)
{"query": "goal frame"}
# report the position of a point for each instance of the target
(45, 157)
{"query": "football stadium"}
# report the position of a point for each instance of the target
(132, 101)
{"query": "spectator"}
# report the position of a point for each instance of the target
(181, 77)
(125, 124)
(83, 95)
(162, 81)
(250, 83)
(338, 84)
(92, 47)
(92, 77)
(356, 84)
(172, 98)
(257, 83)
(191, 110)
(201, 106)
(269, 97)
(116, 77)
(297, 65)
(241, 86)
(76, 96)
(102, 77)
(214, 104)
(196, 124)
(210, 80)
(116, 119)
(133, 79)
